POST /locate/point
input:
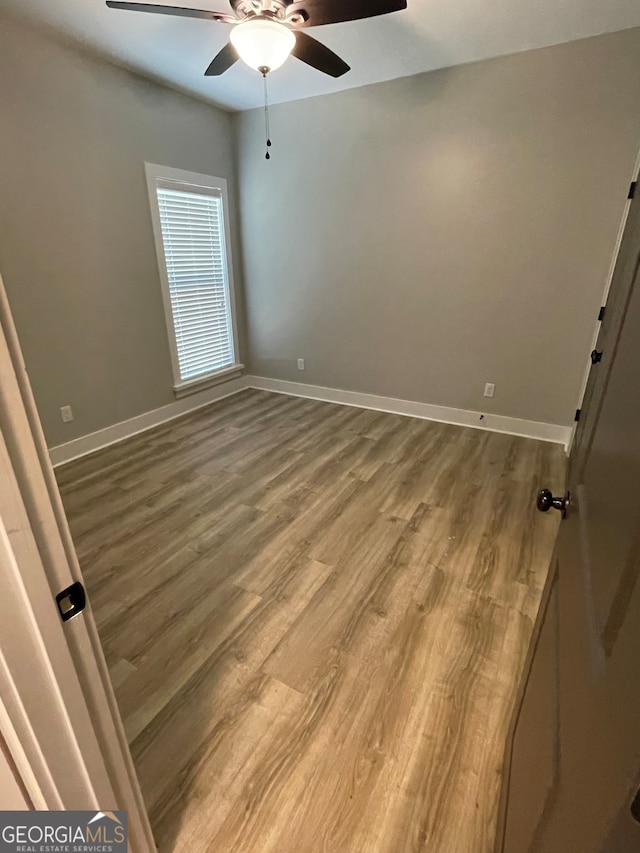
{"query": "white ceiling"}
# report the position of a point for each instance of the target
(429, 34)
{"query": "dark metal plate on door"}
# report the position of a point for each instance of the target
(71, 601)
(635, 807)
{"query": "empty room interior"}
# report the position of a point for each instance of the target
(309, 336)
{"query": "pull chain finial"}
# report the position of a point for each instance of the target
(264, 70)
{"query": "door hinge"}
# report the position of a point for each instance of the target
(71, 601)
(577, 415)
(632, 189)
(601, 313)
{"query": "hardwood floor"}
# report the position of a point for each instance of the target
(315, 617)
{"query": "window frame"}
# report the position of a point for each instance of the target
(179, 179)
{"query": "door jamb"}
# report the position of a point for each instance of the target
(37, 558)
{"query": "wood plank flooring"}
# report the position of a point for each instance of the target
(315, 618)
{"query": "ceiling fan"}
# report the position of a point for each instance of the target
(266, 32)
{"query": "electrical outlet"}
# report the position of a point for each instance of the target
(66, 414)
(301, 364)
(489, 389)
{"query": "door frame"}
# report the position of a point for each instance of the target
(605, 296)
(58, 712)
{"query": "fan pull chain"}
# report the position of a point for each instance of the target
(267, 156)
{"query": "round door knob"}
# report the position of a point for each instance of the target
(546, 501)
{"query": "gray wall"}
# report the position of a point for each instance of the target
(412, 239)
(76, 245)
(421, 237)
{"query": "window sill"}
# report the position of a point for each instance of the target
(192, 386)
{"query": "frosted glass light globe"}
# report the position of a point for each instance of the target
(262, 43)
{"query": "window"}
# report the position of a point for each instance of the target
(190, 222)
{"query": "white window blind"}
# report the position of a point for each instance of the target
(193, 238)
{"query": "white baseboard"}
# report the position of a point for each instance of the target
(555, 433)
(86, 444)
(125, 429)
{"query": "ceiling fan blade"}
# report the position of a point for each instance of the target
(178, 11)
(222, 61)
(318, 56)
(318, 12)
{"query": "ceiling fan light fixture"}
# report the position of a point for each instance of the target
(262, 43)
